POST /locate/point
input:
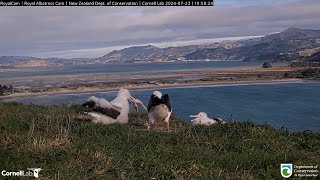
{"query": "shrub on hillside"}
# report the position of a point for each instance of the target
(267, 65)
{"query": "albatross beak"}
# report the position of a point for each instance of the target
(194, 116)
(131, 98)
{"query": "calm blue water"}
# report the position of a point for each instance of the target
(293, 105)
(120, 68)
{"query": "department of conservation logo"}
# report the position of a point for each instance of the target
(286, 170)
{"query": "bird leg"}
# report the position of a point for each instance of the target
(167, 120)
(151, 120)
(168, 126)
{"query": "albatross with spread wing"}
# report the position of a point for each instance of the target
(159, 108)
(116, 111)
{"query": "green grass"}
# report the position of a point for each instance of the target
(49, 137)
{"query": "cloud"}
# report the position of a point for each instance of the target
(41, 30)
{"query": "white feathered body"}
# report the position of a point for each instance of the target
(100, 118)
(203, 119)
(124, 112)
(120, 103)
(159, 112)
(208, 121)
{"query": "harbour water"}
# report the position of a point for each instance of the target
(122, 68)
(294, 105)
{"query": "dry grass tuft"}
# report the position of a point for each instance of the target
(9, 139)
(48, 141)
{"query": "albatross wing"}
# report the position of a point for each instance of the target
(166, 100)
(153, 101)
(106, 104)
(110, 112)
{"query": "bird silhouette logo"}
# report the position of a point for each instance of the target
(35, 171)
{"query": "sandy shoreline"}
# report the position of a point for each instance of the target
(136, 87)
(90, 83)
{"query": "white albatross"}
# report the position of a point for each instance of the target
(203, 119)
(116, 111)
(159, 108)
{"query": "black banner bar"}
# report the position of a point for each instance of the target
(110, 3)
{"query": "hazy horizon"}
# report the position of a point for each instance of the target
(72, 32)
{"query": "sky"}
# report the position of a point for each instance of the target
(94, 31)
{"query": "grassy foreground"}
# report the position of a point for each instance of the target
(49, 137)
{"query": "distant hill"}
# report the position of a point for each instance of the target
(27, 61)
(314, 57)
(293, 44)
(36, 63)
(135, 53)
(284, 46)
(276, 47)
(11, 60)
(147, 53)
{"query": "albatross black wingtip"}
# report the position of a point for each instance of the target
(89, 104)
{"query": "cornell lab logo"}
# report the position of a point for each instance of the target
(286, 170)
(30, 172)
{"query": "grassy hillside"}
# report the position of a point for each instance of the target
(49, 137)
